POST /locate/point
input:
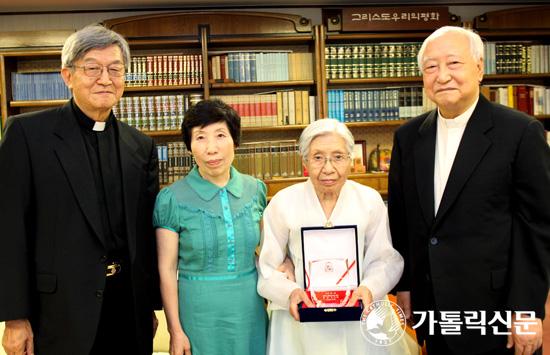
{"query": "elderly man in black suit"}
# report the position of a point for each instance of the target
(469, 208)
(77, 249)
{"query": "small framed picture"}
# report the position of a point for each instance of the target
(358, 163)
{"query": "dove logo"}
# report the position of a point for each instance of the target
(382, 323)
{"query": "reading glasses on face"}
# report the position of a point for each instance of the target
(320, 160)
(94, 70)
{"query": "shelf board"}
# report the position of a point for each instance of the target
(416, 79)
(275, 185)
(243, 129)
(162, 88)
(375, 123)
(154, 43)
(37, 103)
(273, 128)
(53, 103)
(419, 79)
(507, 34)
(400, 37)
(378, 36)
(271, 39)
(515, 76)
(350, 176)
(287, 127)
(262, 84)
(162, 133)
(32, 52)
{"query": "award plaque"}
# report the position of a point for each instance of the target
(331, 273)
(331, 287)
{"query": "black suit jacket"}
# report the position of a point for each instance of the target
(488, 247)
(52, 247)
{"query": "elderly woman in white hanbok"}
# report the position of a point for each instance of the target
(326, 197)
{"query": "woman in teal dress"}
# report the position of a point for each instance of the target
(208, 227)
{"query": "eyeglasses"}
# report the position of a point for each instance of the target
(94, 70)
(319, 160)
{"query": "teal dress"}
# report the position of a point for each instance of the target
(219, 307)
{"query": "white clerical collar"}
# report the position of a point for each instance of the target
(460, 120)
(99, 126)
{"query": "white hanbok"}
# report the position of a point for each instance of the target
(380, 267)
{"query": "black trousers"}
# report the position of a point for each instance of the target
(117, 331)
(436, 344)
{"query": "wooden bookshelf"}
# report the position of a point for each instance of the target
(204, 32)
(378, 181)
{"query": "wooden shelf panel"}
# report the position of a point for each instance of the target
(376, 80)
(288, 127)
(375, 123)
(271, 39)
(165, 43)
(508, 35)
(163, 133)
(378, 182)
(420, 36)
(162, 88)
(377, 36)
(262, 84)
(32, 52)
(219, 23)
(516, 76)
(38, 103)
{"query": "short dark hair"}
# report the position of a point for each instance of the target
(92, 37)
(205, 113)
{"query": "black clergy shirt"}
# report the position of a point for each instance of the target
(104, 157)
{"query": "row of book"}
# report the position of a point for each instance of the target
(264, 160)
(154, 113)
(269, 160)
(384, 60)
(531, 99)
(516, 58)
(39, 86)
(377, 104)
(245, 67)
(281, 108)
(166, 112)
(175, 162)
(164, 70)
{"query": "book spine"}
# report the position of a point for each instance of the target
(258, 164)
(348, 62)
(275, 160)
(391, 61)
(137, 112)
(253, 69)
(340, 62)
(357, 105)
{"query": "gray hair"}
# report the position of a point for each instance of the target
(476, 44)
(325, 127)
(92, 37)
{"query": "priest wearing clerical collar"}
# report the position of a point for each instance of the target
(77, 247)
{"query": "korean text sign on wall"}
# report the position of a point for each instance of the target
(413, 18)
